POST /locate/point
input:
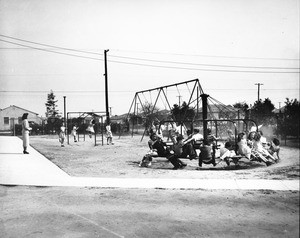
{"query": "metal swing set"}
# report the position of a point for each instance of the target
(213, 114)
(162, 93)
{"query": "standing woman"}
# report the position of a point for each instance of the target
(25, 132)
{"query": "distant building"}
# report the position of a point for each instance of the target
(280, 110)
(218, 111)
(118, 119)
(12, 115)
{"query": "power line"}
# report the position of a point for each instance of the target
(151, 60)
(89, 52)
(51, 51)
(198, 55)
(43, 75)
(210, 70)
(210, 56)
(210, 65)
(52, 46)
(149, 65)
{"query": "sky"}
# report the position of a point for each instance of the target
(230, 46)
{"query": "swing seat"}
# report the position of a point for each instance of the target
(207, 160)
(169, 145)
(206, 156)
(235, 159)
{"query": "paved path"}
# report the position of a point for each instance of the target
(34, 169)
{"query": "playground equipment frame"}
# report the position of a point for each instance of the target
(162, 90)
(93, 114)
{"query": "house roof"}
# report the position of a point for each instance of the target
(118, 117)
(19, 108)
(218, 108)
(279, 110)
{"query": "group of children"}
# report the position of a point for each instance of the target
(255, 147)
(90, 130)
(252, 146)
(181, 148)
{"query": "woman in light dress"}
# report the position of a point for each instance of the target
(25, 133)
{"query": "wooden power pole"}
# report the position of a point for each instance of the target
(258, 91)
(106, 88)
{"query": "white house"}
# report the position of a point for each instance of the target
(12, 115)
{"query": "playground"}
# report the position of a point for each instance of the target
(122, 159)
(35, 211)
(195, 109)
(215, 210)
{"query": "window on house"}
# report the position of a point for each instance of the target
(6, 120)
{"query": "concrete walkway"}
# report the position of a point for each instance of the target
(36, 170)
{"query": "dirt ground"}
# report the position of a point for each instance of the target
(122, 159)
(96, 212)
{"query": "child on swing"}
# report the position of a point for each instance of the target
(227, 152)
(90, 128)
(177, 152)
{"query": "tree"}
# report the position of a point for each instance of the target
(52, 114)
(149, 112)
(288, 120)
(51, 110)
(243, 107)
(262, 112)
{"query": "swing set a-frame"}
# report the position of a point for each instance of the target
(195, 97)
(162, 93)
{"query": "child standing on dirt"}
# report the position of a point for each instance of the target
(62, 135)
(74, 132)
(109, 134)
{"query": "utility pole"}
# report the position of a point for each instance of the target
(204, 114)
(106, 88)
(258, 91)
(137, 113)
(179, 100)
(179, 106)
(65, 119)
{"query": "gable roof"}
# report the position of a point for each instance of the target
(216, 108)
(19, 108)
(119, 117)
(279, 110)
